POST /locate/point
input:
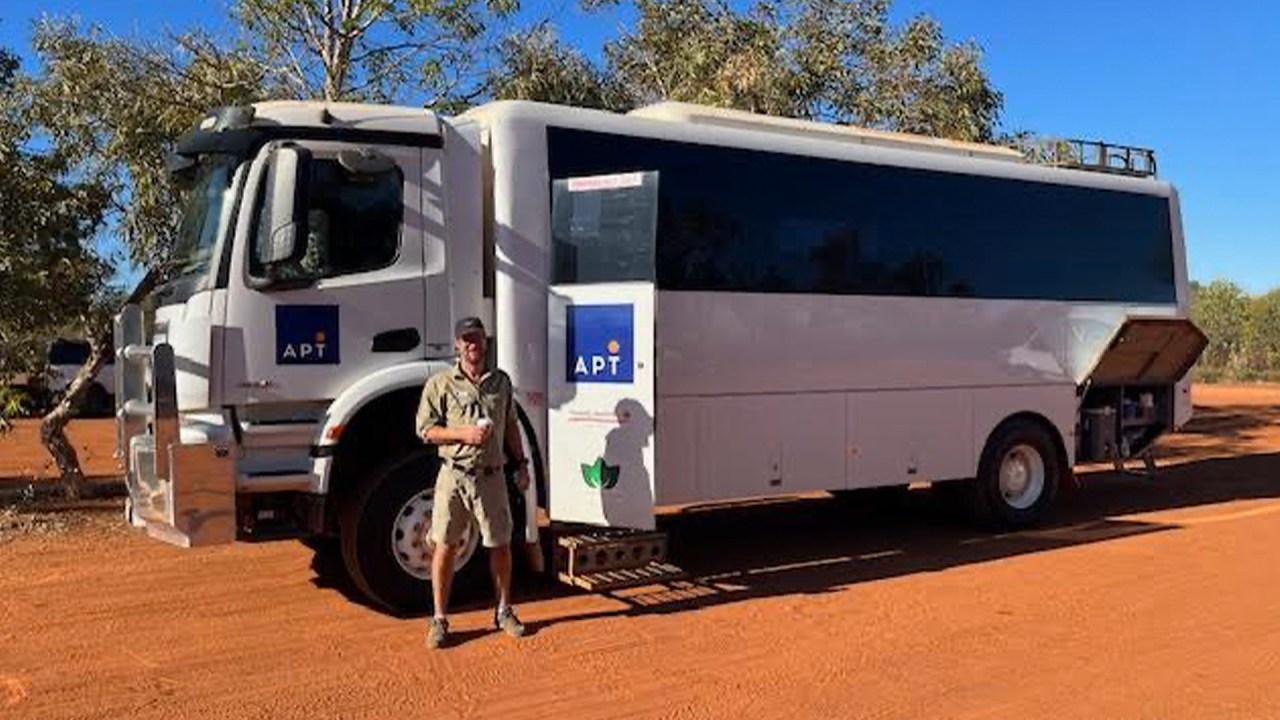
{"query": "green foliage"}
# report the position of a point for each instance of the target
(14, 402)
(835, 60)
(537, 65)
(1262, 337)
(50, 211)
(115, 107)
(373, 50)
(1243, 332)
(1221, 311)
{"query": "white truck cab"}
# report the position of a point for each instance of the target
(321, 265)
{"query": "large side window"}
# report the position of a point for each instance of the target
(738, 220)
(353, 224)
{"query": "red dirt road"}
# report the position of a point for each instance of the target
(1148, 599)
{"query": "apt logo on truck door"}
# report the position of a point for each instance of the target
(307, 335)
(601, 341)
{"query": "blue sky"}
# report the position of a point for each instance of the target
(1200, 85)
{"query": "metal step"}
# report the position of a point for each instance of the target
(611, 559)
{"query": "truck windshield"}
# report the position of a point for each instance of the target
(202, 208)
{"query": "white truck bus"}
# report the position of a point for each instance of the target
(694, 305)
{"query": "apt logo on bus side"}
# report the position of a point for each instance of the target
(601, 340)
(307, 335)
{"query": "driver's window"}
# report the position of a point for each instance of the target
(353, 224)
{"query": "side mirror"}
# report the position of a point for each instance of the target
(282, 229)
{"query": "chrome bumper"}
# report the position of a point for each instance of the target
(182, 494)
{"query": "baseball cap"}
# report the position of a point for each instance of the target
(467, 325)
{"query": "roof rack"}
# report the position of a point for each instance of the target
(1099, 156)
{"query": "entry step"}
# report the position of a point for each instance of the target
(613, 559)
(651, 574)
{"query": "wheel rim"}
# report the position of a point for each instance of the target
(411, 537)
(1022, 477)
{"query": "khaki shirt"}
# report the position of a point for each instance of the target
(450, 399)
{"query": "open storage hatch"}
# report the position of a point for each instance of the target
(1129, 396)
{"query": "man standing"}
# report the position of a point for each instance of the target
(468, 412)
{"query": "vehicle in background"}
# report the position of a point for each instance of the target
(65, 357)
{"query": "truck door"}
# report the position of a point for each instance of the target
(351, 302)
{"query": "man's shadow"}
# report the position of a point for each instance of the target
(627, 496)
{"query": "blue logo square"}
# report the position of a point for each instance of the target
(601, 343)
(307, 335)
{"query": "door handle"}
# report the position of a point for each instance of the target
(399, 340)
(256, 384)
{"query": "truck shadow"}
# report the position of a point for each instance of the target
(820, 544)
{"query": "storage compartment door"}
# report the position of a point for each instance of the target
(1149, 351)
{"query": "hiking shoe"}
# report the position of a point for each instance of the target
(437, 633)
(507, 622)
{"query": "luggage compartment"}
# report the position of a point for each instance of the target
(1128, 400)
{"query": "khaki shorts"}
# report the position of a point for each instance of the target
(461, 498)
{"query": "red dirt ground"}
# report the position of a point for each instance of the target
(1146, 599)
(22, 457)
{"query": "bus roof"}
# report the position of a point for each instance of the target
(740, 119)
(801, 137)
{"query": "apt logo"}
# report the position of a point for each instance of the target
(601, 343)
(307, 335)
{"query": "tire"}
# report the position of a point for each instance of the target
(1018, 477)
(376, 530)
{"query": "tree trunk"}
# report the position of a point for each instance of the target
(53, 435)
(53, 426)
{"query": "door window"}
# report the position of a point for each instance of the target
(353, 224)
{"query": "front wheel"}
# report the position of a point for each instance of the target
(385, 529)
(1018, 476)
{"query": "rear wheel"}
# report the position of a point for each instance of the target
(385, 528)
(1018, 476)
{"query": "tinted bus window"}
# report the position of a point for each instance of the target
(602, 228)
(740, 220)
